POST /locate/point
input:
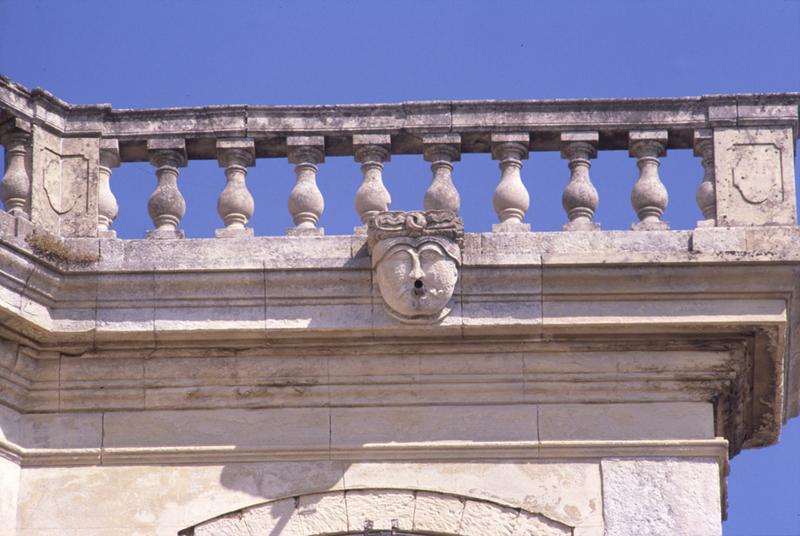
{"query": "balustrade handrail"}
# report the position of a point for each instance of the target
(679, 116)
(746, 143)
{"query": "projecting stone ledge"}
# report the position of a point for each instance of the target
(730, 290)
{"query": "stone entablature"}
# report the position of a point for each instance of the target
(285, 297)
(569, 382)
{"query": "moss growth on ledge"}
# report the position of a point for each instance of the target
(55, 248)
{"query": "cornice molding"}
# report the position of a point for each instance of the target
(452, 451)
(203, 298)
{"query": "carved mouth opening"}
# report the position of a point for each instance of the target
(418, 290)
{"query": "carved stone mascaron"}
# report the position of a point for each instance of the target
(416, 257)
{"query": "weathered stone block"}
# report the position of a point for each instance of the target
(386, 510)
(676, 420)
(661, 496)
(351, 427)
(279, 517)
(9, 498)
(61, 431)
(528, 524)
(480, 518)
(436, 512)
(568, 492)
(754, 170)
(64, 186)
(324, 513)
(232, 525)
(246, 429)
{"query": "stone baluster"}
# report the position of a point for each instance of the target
(511, 199)
(580, 196)
(15, 190)
(649, 196)
(107, 207)
(706, 194)
(235, 204)
(371, 151)
(306, 203)
(166, 205)
(441, 150)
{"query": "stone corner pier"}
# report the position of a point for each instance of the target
(409, 378)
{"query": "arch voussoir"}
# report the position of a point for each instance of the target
(372, 511)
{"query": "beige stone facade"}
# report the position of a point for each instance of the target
(408, 378)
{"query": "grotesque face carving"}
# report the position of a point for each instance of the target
(416, 279)
(416, 271)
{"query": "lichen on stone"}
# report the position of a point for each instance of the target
(53, 247)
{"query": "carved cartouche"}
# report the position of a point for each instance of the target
(416, 257)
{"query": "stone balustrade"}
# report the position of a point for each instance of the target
(60, 158)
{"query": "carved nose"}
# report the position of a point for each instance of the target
(418, 290)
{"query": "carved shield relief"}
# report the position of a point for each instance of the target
(54, 188)
(62, 194)
(754, 176)
(756, 173)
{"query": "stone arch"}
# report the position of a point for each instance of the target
(400, 512)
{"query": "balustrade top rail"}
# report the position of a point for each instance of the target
(59, 156)
(476, 119)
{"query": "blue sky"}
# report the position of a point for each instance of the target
(151, 53)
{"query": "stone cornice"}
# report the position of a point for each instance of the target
(457, 450)
(47, 296)
(728, 290)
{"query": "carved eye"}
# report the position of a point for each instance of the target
(396, 253)
(430, 253)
